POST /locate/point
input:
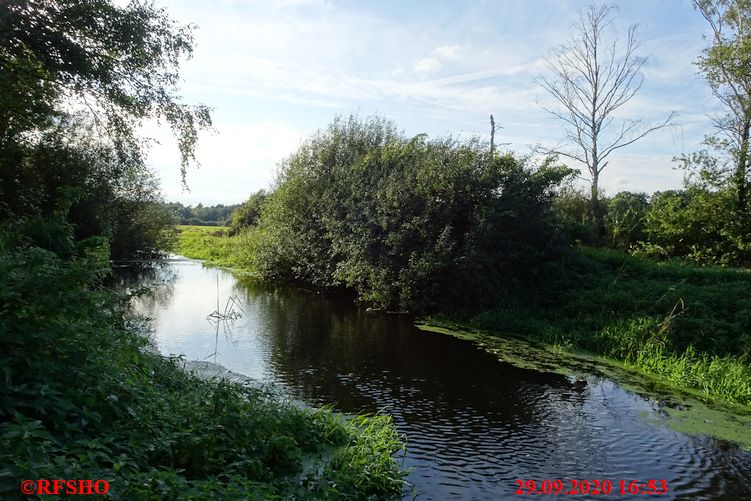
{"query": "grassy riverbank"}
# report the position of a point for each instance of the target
(213, 245)
(685, 325)
(688, 326)
(83, 396)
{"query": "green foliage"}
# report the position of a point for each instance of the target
(405, 222)
(249, 213)
(365, 468)
(689, 325)
(120, 62)
(200, 215)
(726, 61)
(143, 229)
(725, 65)
(77, 187)
(84, 396)
(573, 211)
(693, 224)
(699, 223)
(66, 173)
(54, 233)
(624, 219)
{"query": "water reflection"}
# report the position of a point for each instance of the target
(474, 425)
(153, 282)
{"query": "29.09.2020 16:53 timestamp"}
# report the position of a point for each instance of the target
(592, 487)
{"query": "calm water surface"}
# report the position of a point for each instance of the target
(473, 424)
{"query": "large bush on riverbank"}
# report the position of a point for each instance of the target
(73, 176)
(407, 223)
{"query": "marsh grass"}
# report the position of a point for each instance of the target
(365, 467)
(217, 247)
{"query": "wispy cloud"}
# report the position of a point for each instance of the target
(275, 71)
(527, 69)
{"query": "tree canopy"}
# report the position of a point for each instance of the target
(78, 78)
(119, 64)
(726, 66)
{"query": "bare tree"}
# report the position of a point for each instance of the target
(590, 81)
(493, 128)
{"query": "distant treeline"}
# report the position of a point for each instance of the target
(213, 215)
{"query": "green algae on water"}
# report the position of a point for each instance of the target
(684, 410)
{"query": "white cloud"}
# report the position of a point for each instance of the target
(427, 65)
(449, 51)
(235, 162)
(276, 71)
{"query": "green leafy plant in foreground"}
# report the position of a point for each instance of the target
(83, 396)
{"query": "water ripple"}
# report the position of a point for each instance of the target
(474, 425)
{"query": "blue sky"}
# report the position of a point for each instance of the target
(275, 72)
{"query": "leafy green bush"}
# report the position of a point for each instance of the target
(405, 222)
(75, 185)
(249, 213)
(573, 213)
(624, 219)
(695, 224)
(701, 223)
(63, 171)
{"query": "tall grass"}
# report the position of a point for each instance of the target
(687, 325)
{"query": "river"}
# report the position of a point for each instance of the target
(474, 425)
